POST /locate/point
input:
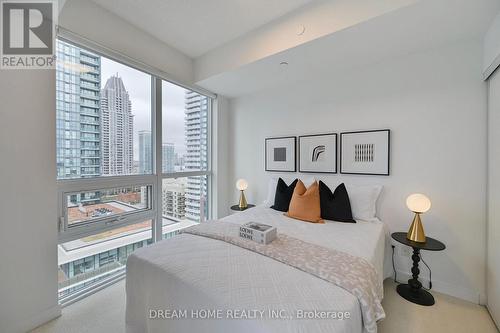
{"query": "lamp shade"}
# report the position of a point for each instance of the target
(418, 203)
(241, 184)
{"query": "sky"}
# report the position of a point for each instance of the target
(138, 85)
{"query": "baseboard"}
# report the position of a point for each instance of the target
(39, 319)
(469, 295)
(493, 318)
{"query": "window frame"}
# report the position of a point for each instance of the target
(65, 187)
(115, 217)
(155, 179)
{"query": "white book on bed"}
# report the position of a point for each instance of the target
(258, 232)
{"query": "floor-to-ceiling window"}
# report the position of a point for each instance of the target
(133, 164)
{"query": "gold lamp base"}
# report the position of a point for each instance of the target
(243, 201)
(416, 232)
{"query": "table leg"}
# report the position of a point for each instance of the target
(413, 291)
(414, 283)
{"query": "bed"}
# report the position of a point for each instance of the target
(178, 285)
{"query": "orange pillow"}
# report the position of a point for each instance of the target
(305, 204)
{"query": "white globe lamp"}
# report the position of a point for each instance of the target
(419, 204)
(242, 185)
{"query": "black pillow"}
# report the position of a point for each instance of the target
(283, 195)
(335, 206)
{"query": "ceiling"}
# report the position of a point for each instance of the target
(237, 45)
(195, 27)
(424, 25)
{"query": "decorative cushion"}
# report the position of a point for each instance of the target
(283, 195)
(335, 206)
(305, 203)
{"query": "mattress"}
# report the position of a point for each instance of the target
(190, 283)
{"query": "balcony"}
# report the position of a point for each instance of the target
(88, 112)
(89, 60)
(89, 122)
(89, 94)
(88, 85)
(193, 166)
(91, 69)
(89, 104)
(90, 77)
(89, 130)
(89, 147)
(194, 116)
(193, 197)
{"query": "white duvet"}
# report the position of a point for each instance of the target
(174, 284)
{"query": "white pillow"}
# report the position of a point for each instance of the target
(271, 192)
(364, 201)
(273, 182)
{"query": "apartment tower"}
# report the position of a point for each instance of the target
(196, 133)
(117, 128)
(168, 157)
(78, 81)
(145, 151)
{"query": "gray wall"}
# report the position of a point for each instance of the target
(28, 220)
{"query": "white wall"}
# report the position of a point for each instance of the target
(435, 104)
(493, 230)
(91, 21)
(491, 56)
(28, 221)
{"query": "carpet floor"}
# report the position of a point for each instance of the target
(104, 311)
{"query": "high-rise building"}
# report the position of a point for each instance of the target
(145, 152)
(173, 199)
(168, 157)
(196, 133)
(179, 162)
(78, 81)
(117, 124)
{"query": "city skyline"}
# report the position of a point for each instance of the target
(85, 97)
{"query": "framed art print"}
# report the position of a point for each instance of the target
(281, 154)
(365, 152)
(318, 153)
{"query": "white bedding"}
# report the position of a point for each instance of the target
(191, 274)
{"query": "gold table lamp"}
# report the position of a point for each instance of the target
(242, 185)
(419, 204)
